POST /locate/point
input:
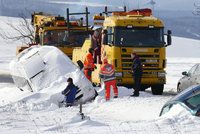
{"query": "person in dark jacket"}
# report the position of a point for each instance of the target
(70, 92)
(137, 73)
(96, 45)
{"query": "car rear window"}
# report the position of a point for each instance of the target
(193, 102)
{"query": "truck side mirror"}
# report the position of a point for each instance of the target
(169, 38)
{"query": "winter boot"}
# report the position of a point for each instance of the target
(135, 94)
(115, 97)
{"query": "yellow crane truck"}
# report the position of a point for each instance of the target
(60, 32)
(135, 31)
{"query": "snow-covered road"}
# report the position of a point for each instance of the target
(125, 115)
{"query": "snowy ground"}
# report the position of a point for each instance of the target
(124, 115)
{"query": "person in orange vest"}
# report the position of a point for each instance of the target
(89, 64)
(107, 75)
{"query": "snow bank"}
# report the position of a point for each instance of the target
(180, 116)
(44, 71)
(175, 111)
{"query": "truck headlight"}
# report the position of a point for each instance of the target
(118, 74)
(161, 74)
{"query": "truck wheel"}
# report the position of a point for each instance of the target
(157, 89)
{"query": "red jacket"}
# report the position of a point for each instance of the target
(107, 72)
(89, 62)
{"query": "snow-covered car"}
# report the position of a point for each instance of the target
(46, 69)
(189, 99)
(192, 77)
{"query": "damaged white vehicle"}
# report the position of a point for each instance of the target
(46, 69)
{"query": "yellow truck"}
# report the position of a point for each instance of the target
(60, 32)
(139, 32)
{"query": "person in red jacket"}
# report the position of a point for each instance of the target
(89, 64)
(107, 75)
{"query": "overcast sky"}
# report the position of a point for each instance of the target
(160, 4)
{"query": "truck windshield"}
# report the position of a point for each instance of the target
(139, 37)
(63, 38)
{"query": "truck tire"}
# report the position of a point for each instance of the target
(157, 89)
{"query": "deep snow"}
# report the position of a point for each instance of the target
(122, 115)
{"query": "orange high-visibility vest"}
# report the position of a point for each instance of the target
(89, 62)
(107, 72)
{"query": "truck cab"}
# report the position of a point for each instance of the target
(58, 31)
(136, 31)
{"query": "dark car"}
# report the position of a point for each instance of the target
(189, 99)
(192, 77)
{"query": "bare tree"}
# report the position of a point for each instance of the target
(23, 32)
(197, 8)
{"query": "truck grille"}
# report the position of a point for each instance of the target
(141, 56)
(149, 62)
